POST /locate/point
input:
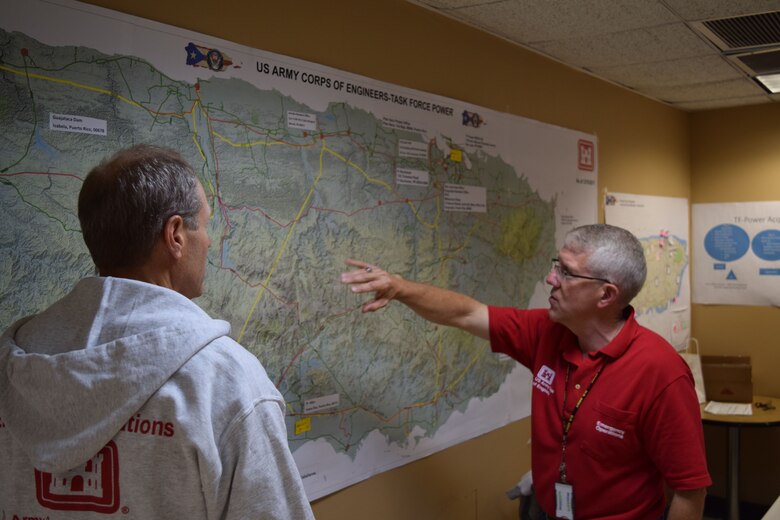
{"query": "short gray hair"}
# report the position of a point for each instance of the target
(126, 200)
(613, 253)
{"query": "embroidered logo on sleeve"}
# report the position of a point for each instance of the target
(609, 430)
(544, 379)
(91, 487)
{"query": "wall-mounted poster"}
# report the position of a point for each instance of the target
(661, 225)
(737, 253)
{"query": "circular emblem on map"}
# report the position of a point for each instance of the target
(215, 60)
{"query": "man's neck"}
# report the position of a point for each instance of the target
(597, 334)
(142, 273)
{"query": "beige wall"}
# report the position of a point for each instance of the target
(736, 158)
(644, 148)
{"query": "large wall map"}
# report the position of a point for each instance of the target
(304, 166)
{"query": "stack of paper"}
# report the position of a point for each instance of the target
(717, 408)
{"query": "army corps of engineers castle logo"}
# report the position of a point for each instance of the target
(586, 155)
(91, 487)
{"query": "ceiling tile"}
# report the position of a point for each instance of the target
(529, 21)
(722, 103)
(737, 88)
(697, 10)
(648, 46)
(455, 4)
(686, 71)
(658, 43)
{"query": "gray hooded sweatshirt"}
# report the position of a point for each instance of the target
(127, 400)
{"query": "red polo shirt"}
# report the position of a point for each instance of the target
(639, 426)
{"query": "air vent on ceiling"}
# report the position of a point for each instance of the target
(743, 32)
(766, 62)
(751, 43)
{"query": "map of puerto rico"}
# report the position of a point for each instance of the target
(300, 178)
(667, 259)
(661, 224)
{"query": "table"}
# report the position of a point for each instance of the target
(760, 417)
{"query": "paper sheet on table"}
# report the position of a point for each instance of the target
(717, 408)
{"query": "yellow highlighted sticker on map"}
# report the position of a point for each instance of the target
(456, 155)
(303, 426)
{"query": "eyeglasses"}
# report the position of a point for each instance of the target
(562, 273)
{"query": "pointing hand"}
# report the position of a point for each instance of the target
(370, 278)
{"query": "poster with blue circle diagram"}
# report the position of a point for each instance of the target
(736, 253)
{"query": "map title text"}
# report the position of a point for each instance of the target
(352, 88)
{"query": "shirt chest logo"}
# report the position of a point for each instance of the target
(610, 430)
(543, 381)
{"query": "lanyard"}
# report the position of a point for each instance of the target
(567, 423)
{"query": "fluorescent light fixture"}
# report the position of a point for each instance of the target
(771, 82)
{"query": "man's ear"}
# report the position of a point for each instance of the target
(610, 293)
(174, 237)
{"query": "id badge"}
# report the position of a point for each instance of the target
(564, 501)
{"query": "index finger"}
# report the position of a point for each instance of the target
(356, 263)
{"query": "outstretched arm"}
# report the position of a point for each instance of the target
(440, 306)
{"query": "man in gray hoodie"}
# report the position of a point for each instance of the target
(126, 399)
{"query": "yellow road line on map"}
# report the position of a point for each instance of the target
(118, 96)
(263, 286)
(198, 147)
(382, 183)
(284, 246)
(439, 363)
(481, 352)
(74, 84)
(249, 145)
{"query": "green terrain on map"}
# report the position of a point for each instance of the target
(666, 262)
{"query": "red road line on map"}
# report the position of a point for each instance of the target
(289, 366)
(368, 208)
(278, 298)
(210, 137)
(258, 210)
(265, 133)
(373, 412)
(330, 210)
(339, 133)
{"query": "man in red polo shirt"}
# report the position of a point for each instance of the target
(615, 413)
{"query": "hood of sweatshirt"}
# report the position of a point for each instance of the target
(73, 375)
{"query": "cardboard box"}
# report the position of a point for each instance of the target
(728, 378)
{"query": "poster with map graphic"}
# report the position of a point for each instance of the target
(304, 166)
(661, 225)
(737, 253)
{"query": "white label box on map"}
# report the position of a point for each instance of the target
(465, 198)
(301, 120)
(412, 149)
(78, 124)
(411, 177)
(321, 403)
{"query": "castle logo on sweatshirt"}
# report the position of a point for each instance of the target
(93, 486)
